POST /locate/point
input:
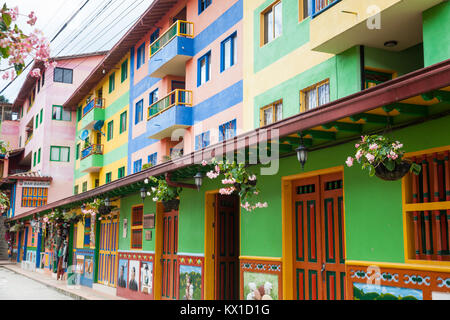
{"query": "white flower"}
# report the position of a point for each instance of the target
(146, 181)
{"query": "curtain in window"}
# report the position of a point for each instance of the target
(310, 99)
(64, 154)
(56, 114)
(324, 94)
(54, 154)
(278, 27)
(278, 111)
(268, 116)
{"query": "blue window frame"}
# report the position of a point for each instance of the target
(203, 4)
(228, 52)
(204, 69)
(137, 166)
(153, 159)
(139, 114)
(202, 140)
(227, 130)
(140, 59)
(153, 97)
(154, 36)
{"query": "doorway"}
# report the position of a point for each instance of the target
(169, 262)
(318, 250)
(109, 238)
(226, 247)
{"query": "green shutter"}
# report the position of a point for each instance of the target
(112, 82)
(39, 156)
(124, 71)
(77, 152)
(34, 159)
(41, 114)
(110, 130)
(123, 122)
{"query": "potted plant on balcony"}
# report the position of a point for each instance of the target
(383, 157)
(4, 202)
(237, 180)
(163, 192)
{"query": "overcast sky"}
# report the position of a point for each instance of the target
(97, 27)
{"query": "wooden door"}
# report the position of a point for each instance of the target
(226, 253)
(107, 266)
(169, 256)
(318, 233)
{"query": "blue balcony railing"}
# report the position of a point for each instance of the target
(94, 103)
(319, 6)
(92, 149)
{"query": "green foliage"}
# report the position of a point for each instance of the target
(162, 191)
(196, 281)
(4, 202)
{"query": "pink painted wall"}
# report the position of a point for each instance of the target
(10, 133)
(217, 83)
(53, 132)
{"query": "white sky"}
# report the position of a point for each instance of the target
(100, 34)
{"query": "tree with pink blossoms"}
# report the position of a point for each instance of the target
(16, 46)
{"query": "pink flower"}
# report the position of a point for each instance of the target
(370, 157)
(358, 155)
(36, 73)
(357, 145)
(32, 18)
(373, 146)
(349, 162)
(217, 168)
(252, 178)
(393, 155)
(204, 163)
(212, 174)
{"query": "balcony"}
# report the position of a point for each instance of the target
(172, 112)
(92, 158)
(338, 25)
(92, 112)
(169, 53)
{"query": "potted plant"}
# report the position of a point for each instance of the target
(237, 180)
(166, 194)
(383, 157)
(4, 202)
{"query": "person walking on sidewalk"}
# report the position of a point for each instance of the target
(62, 252)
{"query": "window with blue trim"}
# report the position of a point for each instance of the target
(153, 97)
(153, 159)
(154, 36)
(139, 114)
(227, 130)
(204, 69)
(140, 59)
(228, 52)
(137, 166)
(202, 140)
(202, 5)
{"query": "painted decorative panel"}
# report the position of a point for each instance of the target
(191, 278)
(260, 280)
(135, 275)
(379, 283)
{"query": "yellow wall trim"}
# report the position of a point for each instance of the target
(408, 266)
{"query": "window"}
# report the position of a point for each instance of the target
(273, 22)
(153, 159)
(59, 154)
(137, 166)
(34, 197)
(87, 232)
(427, 228)
(314, 96)
(59, 113)
(124, 71)
(228, 52)
(36, 118)
(39, 156)
(121, 172)
(202, 5)
(140, 59)
(110, 133)
(303, 10)
(84, 186)
(137, 217)
(108, 177)
(123, 122)
(139, 114)
(41, 114)
(227, 130)
(63, 75)
(77, 152)
(96, 183)
(112, 82)
(79, 110)
(204, 69)
(75, 190)
(373, 78)
(153, 97)
(202, 140)
(154, 36)
(43, 79)
(34, 158)
(271, 113)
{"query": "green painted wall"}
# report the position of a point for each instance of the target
(125, 213)
(402, 62)
(343, 72)
(294, 35)
(436, 35)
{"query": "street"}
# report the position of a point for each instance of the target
(17, 287)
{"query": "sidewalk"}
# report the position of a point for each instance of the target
(78, 293)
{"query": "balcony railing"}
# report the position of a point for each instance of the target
(178, 29)
(94, 103)
(318, 6)
(92, 149)
(176, 97)
(29, 138)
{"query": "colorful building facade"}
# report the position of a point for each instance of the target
(226, 78)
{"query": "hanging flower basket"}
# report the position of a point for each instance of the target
(170, 205)
(400, 170)
(383, 158)
(103, 210)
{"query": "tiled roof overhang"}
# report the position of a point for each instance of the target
(410, 85)
(149, 18)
